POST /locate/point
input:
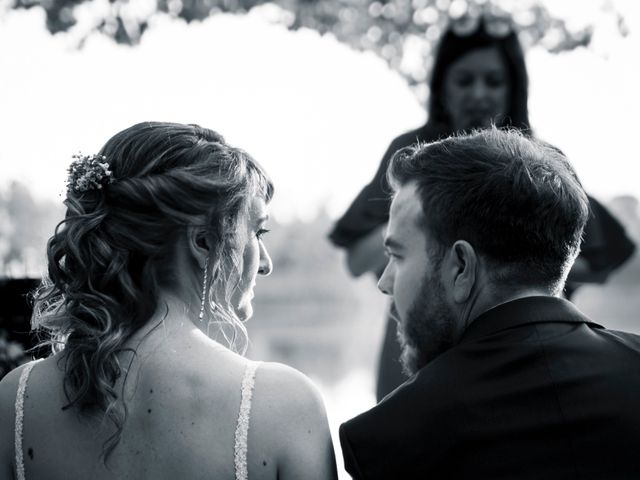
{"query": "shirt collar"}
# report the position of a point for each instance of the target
(524, 311)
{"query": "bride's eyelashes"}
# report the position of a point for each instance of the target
(261, 232)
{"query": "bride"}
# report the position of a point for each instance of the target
(150, 273)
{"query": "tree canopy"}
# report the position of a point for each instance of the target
(403, 32)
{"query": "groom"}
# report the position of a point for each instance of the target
(508, 379)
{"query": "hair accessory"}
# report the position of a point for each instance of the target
(204, 288)
(88, 172)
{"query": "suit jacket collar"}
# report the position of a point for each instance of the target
(527, 310)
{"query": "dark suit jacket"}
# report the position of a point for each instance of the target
(534, 390)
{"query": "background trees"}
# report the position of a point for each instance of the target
(403, 32)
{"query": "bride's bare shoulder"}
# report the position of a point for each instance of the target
(286, 385)
(287, 401)
(290, 423)
(9, 389)
(8, 392)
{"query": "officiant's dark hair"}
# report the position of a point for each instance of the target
(452, 46)
(515, 199)
(111, 255)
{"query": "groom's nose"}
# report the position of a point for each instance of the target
(385, 284)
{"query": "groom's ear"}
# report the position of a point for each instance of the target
(198, 244)
(462, 263)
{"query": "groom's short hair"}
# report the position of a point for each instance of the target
(515, 199)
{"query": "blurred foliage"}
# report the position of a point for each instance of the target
(25, 226)
(403, 32)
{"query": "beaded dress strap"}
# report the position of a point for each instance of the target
(242, 428)
(22, 388)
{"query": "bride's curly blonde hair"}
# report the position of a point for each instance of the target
(110, 256)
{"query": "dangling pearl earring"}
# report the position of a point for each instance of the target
(204, 288)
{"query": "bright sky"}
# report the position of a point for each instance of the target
(315, 113)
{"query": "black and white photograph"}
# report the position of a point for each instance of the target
(319, 239)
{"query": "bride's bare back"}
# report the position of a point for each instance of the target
(183, 395)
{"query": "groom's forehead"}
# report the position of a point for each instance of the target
(405, 215)
(406, 204)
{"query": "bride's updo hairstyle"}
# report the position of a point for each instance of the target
(112, 254)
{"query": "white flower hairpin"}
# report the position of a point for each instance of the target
(88, 172)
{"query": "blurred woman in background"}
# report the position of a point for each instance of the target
(479, 78)
(157, 259)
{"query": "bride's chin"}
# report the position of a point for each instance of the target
(244, 312)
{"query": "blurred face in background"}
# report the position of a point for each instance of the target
(476, 89)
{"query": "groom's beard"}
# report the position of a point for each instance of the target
(427, 330)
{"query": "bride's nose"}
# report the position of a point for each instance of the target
(266, 266)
